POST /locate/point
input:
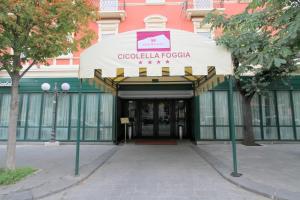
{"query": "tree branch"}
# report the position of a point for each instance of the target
(28, 68)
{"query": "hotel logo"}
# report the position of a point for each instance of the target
(153, 41)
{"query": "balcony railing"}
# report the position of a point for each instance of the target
(112, 5)
(206, 4)
(203, 4)
(200, 8)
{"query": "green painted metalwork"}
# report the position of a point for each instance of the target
(78, 132)
(32, 86)
(41, 116)
(214, 114)
(20, 110)
(115, 119)
(70, 116)
(99, 117)
(232, 127)
(84, 117)
(26, 122)
(197, 131)
(261, 123)
(293, 114)
(277, 118)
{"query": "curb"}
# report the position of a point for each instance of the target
(224, 171)
(104, 157)
(29, 193)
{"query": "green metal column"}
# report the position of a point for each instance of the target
(214, 114)
(277, 115)
(41, 115)
(261, 123)
(99, 116)
(232, 128)
(197, 118)
(114, 120)
(78, 130)
(293, 114)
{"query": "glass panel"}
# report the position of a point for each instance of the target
(47, 117)
(20, 133)
(46, 133)
(298, 133)
(268, 109)
(34, 116)
(4, 115)
(132, 116)
(147, 118)
(286, 133)
(22, 111)
(106, 110)
(73, 135)
(164, 118)
(61, 133)
(5, 108)
(221, 108)
(105, 134)
(90, 134)
(32, 133)
(284, 108)
(239, 132)
(91, 116)
(62, 119)
(22, 116)
(255, 110)
(296, 99)
(270, 133)
(238, 109)
(3, 133)
(257, 133)
(222, 133)
(74, 116)
(206, 111)
(180, 112)
(206, 133)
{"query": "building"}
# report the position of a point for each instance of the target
(160, 102)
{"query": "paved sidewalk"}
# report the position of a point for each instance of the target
(271, 169)
(169, 172)
(56, 168)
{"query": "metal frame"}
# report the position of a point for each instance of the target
(261, 125)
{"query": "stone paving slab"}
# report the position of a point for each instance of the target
(156, 172)
(56, 168)
(272, 170)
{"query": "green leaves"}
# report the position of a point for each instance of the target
(39, 30)
(264, 41)
(278, 62)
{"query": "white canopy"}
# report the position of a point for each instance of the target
(154, 49)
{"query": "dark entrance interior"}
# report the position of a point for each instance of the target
(157, 118)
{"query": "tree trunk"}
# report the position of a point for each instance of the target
(247, 119)
(12, 127)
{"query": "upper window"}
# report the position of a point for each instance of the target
(155, 21)
(155, 1)
(109, 5)
(203, 4)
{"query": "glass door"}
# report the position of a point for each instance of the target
(164, 118)
(147, 119)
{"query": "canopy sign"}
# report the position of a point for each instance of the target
(153, 50)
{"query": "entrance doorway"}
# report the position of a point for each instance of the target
(157, 118)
